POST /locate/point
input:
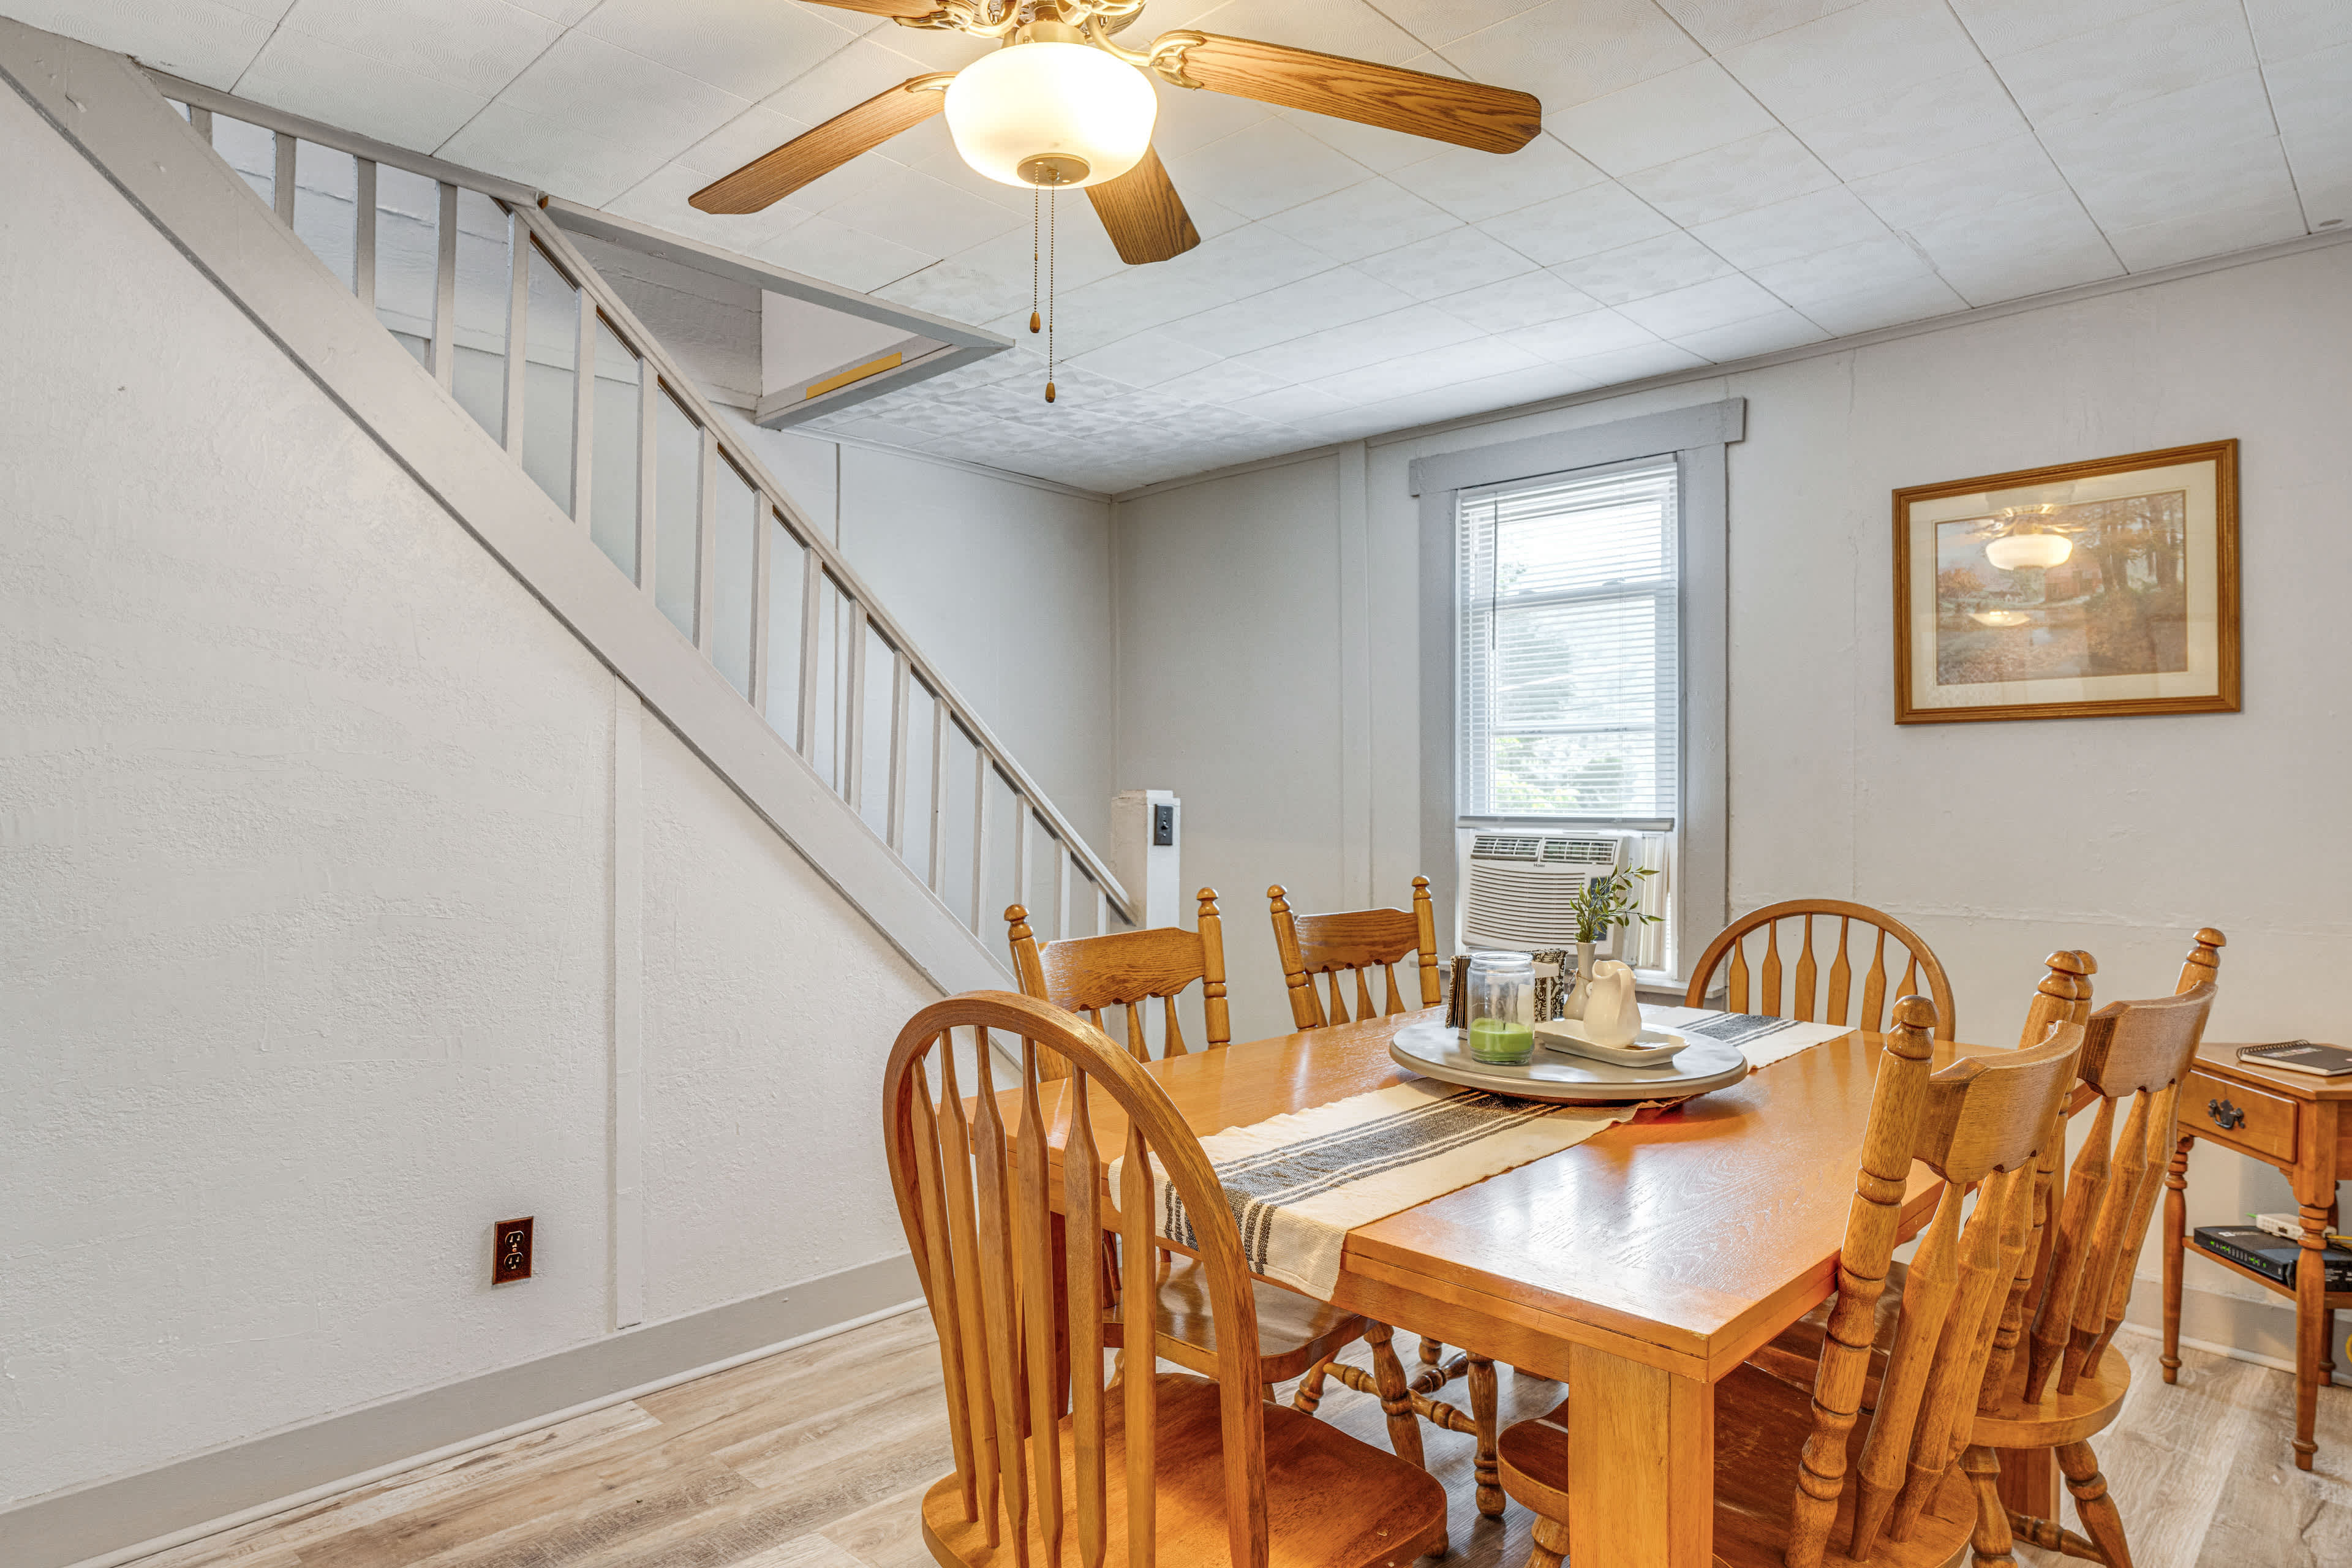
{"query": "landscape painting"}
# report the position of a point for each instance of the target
(2084, 590)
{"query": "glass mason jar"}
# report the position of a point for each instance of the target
(1502, 1009)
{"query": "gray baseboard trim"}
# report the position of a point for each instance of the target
(112, 1522)
(2260, 1331)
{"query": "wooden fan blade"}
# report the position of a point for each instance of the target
(1145, 215)
(883, 7)
(779, 173)
(1467, 114)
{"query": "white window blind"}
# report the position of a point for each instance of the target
(1569, 664)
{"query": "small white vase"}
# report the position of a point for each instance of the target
(1574, 1006)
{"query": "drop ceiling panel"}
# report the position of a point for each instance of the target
(1715, 179)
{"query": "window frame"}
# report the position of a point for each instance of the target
(1697, 439)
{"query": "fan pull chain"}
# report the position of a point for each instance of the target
(1035, 196)
(1053, 231)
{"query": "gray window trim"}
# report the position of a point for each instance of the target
(1697, 437)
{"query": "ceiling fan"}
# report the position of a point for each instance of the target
(1062, 106)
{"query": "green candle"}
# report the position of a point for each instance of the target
(1503, 1042)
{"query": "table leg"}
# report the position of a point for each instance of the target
(2175, 1224)
(2314, 1183)
(1640, 1465)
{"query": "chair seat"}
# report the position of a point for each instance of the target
(2058, 1418)
(1760, 1426)
(1331, 1501)
(1294, 1331)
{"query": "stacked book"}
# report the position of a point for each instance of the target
(2272, 1256)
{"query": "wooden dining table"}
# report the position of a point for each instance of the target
(1639, 1268)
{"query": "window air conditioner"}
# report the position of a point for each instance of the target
(1517, 887)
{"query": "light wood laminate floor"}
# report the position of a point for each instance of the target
(817, 1458)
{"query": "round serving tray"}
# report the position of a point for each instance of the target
(1435, 1051)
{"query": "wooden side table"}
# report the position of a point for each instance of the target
(2301, 1125)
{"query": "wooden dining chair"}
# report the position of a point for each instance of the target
(2056, 1386)
(1756, 989)
(1169, 1467)
(1801, 1478)
(1095, 974)
(1123, 970)
(1350, 945)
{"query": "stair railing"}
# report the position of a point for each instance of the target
(500, 306)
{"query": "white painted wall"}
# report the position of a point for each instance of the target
(1999, 841)
(306, 879)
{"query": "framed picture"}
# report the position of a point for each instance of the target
(2097, 588)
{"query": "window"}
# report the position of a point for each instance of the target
(1567, 675)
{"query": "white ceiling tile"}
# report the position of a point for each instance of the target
(1134, 298)
(1439, 22)
(1916, 299)
(755, 133)
(2124, 63)
(555, 155)
(1686, 111)
(1292, 403)
(1225, 382)
(1362, 220)
(564, 11)
(1243, 261)
(2207, 178)
(1864, 50)
(1966, 108)
(750, 47)
(2006, 26)
(2286, 29)
(1753, 172)
(2314, 93)
(839, 254)
(1194, 119)
(204, 40)
(2148, 135)
(1785, 231)
(2322, 161)
(1656, 357)
(1582, 223)
(660, 199)
(1446, 263)
(844, 181)
(1266, 168)
(2018, 248)
(476, 45)
(1346, 28)
(2241, 227)
(1721, 24)
(1672, 261)
(1521, 302)
(1475, 186)
(841, 82)
(1830, 275)
(1376, 149)
(1783, 329)
(927, 215)
(1581, 337)
(1971, 180)
(1571, 51)
(1413, 329)
(1443, 366)
(1312, 305)
(1145, 359)
(1681, 312)
(307, 76)
(927, 49)
(619, 98)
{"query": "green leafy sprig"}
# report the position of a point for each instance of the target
(1610, 901)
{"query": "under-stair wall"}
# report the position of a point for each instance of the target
(370, 873)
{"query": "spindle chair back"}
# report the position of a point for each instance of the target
(1979, 1123)
(1351, 944)
(2134, 1054)
(1093, 974)
(1815, 995)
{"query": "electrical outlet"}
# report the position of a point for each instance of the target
(1163, 825)
(511, 1255)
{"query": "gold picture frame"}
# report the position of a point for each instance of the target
(2084, 590)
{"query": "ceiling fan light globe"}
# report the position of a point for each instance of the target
(2014, 551)
(1047, 104)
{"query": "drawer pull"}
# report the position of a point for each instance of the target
(2226, 1116)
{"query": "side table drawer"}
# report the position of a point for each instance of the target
(2253, 1120)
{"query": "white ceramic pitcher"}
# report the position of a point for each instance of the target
(1612, 1013)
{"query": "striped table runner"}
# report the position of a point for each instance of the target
(1299, 1183)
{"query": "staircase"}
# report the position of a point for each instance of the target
(471, 339)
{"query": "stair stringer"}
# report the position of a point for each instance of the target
(105, 108)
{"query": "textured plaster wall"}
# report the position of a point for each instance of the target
(1999, 842)
(306, 949)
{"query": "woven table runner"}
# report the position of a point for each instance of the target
(1299, 1183)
